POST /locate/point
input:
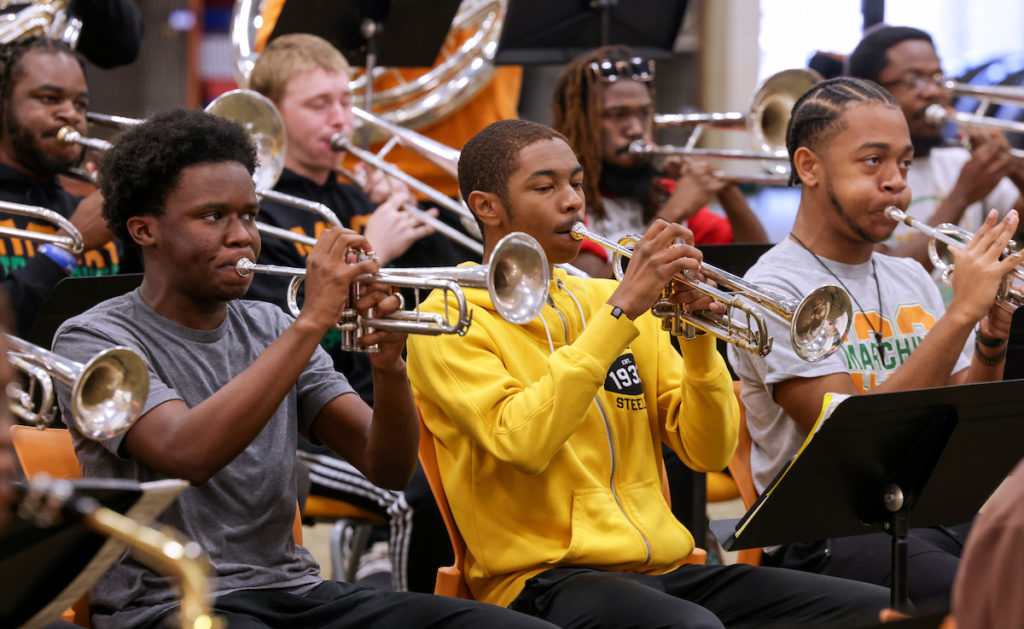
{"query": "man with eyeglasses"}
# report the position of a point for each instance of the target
(604, 101)
(950, 184)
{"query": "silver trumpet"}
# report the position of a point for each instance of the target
(953, 235)
(72, 242)
(818, 323)
(107, 393)
(516, 279)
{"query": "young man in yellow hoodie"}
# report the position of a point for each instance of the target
(548, 434)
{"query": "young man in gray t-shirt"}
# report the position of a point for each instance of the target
(233, 384)
(850, 150)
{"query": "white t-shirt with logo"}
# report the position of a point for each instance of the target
(910, 306)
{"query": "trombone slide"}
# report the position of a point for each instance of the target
(72, 242)
(641, 148)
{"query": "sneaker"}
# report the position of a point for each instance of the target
(374, 567)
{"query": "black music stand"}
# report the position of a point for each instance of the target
(541, 31)
(404, 33)
(372, 32)
(74, 295)
(936, 454)
(1013, 369)
(44, 570)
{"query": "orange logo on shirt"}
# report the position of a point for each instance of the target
(861, 352)
(358, 224)
(15, 252)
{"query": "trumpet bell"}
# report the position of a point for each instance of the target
(264, 125)
(820, 323)
(517, 278)
(110, 393)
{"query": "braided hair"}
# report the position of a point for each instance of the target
(11, 54)
(817, 115)
(577, 107)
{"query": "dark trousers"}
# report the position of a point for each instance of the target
(335, 605)
(933, 556)
(695, 596)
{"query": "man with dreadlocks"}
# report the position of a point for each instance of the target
(42, 88)
(603, 101)
(850, 149)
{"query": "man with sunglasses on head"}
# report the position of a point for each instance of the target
(950, 184)
(603, 102)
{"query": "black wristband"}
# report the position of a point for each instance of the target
(988, 361)
(987, 341)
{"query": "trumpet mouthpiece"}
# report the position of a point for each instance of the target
(893, 213)
(578, 231)
(245, 266)
(639, 147)
(935, 115)
(339, 142)
(67, 135)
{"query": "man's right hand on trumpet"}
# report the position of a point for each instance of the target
(665, 251)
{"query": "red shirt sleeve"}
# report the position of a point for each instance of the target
(709, 228)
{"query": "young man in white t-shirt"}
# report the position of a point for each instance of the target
(850, 150)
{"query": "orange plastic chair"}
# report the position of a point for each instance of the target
(350, 534)
(50, 450)
(450, 579)
(742, 474)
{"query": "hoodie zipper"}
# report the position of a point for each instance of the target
(608, 434)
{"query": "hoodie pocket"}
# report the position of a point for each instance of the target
(601, 532)
(645, 504)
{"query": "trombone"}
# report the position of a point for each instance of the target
(936, 115)
(818, 323)
(107, 393)
(44, 500)
(261, 120)
(444, 157)
(953, 235)
(765, 121)
(72, 242)
(516, 278)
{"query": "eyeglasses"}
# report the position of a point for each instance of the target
(636, 69)
(919, 83)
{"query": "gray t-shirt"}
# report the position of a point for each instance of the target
(911, 305)
(242, 516)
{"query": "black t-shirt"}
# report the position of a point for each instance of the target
(29, 277)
